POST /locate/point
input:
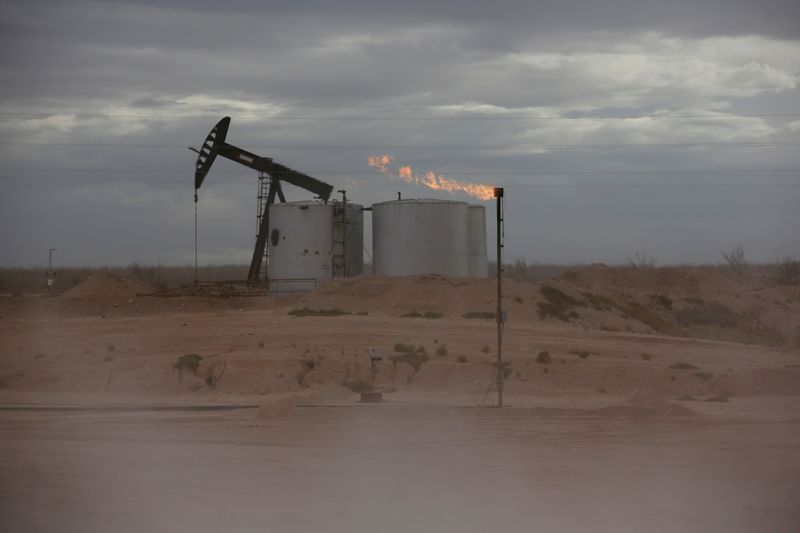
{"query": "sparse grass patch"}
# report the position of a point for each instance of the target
(441, 351)
(543, 358)
(558, 304)
(518, 298)
(645, 316)
(362, 313)
(306, 311)
(583, 354)
(111, 348)
(402, 347)
(662, 300)
(646, 356)
(704, 376)
(478, 314)
(682, 366)
(598, 302)
(486, 348)
(707, 314)
(462, 359)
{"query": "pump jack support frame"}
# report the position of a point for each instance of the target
(215, 145)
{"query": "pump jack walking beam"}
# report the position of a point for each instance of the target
(215, 145)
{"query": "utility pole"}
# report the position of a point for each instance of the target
(50, 274)
(498, 194)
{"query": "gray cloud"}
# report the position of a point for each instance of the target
(127, 86)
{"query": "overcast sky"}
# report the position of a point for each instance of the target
(618, 128)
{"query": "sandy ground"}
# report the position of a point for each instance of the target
(380, 468)
(618, 429)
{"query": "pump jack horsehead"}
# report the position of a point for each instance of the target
(215, 145)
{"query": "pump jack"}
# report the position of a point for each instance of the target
(215, 145)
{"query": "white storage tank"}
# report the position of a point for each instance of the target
(476, 242)
(416, 237)
(311, 242)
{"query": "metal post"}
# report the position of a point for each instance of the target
(498, 194)
(50, 274)
(195, 236)
(344, 232)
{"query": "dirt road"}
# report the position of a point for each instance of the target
(389, 468)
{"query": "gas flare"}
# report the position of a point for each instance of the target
(430, 179)
(380, 162)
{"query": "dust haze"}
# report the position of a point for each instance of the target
(160, 369)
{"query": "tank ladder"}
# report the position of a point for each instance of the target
(263, 193)
(339, 235)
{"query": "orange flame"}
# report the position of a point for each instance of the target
(380, 162)
(431, 180)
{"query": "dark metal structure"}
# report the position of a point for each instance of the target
(215, 145)
(499, 194)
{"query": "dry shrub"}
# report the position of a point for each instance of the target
(787, 272)
(414, 359)
(735, 259)
(215, 372)
(558, 304)
(479, 314)
(543, 358)
(190, 362)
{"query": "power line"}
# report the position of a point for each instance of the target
(188, 180)
(396, 117)
(444, 172)
(429, 147)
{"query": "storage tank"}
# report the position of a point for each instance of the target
(476, 242)
(311, 242)
(415, 237)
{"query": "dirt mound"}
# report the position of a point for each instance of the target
(450, 297)
(104, 285)
(603, 276)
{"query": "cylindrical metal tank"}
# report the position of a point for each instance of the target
(300, 245)
(476, 242)
(415, 237)
(311, 242)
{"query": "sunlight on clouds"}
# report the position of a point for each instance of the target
(636, 70)
(242, 108)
